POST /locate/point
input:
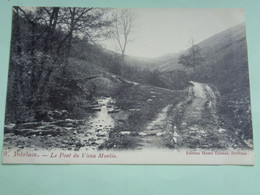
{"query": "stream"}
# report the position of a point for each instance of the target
(98, 125)
(68, 134)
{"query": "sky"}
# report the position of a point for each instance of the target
(161, 31)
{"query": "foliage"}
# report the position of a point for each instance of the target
(41, 44)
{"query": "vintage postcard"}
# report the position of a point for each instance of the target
(128, 86)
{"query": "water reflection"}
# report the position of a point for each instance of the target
(98, 124)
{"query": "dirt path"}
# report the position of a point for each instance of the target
(194, 111)
(197, 127)
(154, 134)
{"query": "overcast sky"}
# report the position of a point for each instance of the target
(166, 30)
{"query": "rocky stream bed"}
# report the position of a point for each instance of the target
(67, 134)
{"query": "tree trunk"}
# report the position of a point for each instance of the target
(51, 28)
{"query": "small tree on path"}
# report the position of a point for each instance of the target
(193, 58)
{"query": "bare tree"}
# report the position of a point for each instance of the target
(193, 57)
(124, 24)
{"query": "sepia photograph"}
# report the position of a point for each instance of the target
(128, 86)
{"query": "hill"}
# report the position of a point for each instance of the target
(212, 49)
(169, 62)
(225, 67)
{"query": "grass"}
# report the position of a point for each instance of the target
(146, 102)
(235, 112)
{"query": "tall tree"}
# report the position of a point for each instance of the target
(124, 23)
(50, 18)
